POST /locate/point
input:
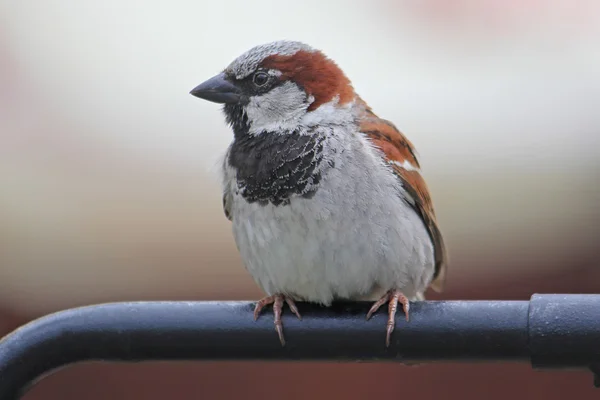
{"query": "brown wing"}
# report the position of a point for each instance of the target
(399, 153)
(227, 206)
(227, 197)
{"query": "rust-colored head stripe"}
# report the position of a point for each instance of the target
(317, 74)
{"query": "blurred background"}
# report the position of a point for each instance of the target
(109, 192)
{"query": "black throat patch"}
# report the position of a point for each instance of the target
(272, 167)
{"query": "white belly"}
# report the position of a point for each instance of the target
(355, 239)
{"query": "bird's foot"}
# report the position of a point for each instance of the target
(393, 297)
(277, 301)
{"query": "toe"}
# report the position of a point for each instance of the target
(292, 305)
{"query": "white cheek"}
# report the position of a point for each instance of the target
(281, 109)
(331, 113)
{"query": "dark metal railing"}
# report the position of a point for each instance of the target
(549, 331)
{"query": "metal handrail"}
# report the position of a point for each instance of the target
(549, 331)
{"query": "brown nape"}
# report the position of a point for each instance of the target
(317, 74)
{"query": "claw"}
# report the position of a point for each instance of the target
(277, 301)
(393, 297)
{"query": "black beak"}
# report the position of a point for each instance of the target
(218, 89)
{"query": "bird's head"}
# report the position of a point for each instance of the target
(278, 87)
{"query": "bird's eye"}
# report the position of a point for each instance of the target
(260, 78)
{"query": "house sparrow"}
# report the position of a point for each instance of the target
(325, 197)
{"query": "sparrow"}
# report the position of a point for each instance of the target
(325, 198)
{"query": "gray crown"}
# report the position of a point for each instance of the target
(248, 62)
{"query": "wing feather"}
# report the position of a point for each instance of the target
(399, 153)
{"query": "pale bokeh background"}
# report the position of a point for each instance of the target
(108, 188)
